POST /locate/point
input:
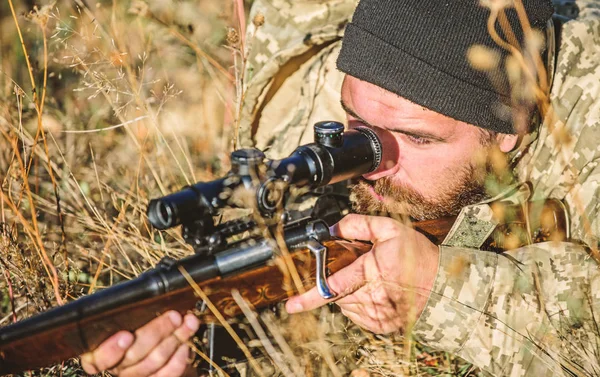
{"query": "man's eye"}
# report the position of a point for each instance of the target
(418, 139)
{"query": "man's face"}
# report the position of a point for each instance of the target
(432, 165)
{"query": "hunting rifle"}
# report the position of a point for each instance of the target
(237, 254)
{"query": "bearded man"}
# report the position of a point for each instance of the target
(448, 88)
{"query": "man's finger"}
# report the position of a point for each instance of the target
(366, 228)
(150, 335)
(378, 327)
(191, 324)
(108, 354)
(343, 282)
(161, 355)
(177, 365)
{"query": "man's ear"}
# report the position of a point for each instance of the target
(506, 142)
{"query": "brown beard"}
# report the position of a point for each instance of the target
(400, 200)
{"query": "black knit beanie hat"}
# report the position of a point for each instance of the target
(418, 50)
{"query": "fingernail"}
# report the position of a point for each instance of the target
(125, 340)
(191, 322)
(175, 318)
(334, 230)
(293, 307)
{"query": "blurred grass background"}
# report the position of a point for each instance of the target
(119, 102)
(130, 111)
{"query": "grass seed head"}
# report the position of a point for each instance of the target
(483, 58)
(233, 37)
(496, 5)
(140, 8)
(41, 15)
(258, 20)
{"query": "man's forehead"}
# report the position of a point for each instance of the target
(379, 107)
(367, 91)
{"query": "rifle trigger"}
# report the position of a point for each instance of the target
(320, 253)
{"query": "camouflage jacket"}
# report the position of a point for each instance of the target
(529, 311)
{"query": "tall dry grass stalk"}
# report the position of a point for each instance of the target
(39, 17)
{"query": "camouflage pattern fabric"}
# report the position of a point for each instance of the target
(291, 69)
(564, 164)
(528, 312)
(475, 223)
(531, 311)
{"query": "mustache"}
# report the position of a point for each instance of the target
(394, 199)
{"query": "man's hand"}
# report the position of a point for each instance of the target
(158, 348)
(385, 289)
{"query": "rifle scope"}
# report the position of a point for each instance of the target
(333, 157)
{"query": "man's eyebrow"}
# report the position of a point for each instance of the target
(418, 134)
(348, 110)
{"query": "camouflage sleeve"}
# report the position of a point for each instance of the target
(564, 161)
(528, 312)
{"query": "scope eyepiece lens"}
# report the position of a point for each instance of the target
(161, 214)
(164, 213)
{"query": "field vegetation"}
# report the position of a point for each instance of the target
(105, 105)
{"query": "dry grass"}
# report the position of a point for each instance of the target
(128, 111)
(104, 105)
(101, 107)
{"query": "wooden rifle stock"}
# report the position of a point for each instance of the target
(33, 347)
(69, 331)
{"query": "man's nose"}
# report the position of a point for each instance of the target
(391, 153)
